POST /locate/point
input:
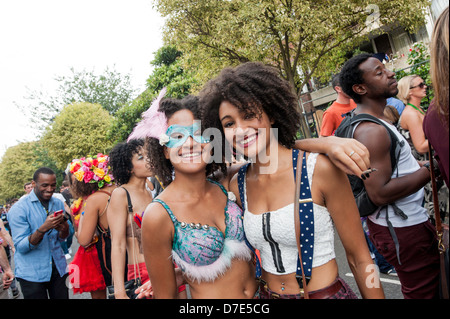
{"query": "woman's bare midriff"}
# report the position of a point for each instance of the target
(321, 277)
(237, 283)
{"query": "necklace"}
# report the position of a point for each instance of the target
(418, 109)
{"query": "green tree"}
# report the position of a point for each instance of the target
(419, 64)
(110, 89)
(168, 72)
(301, 38)
(80, 129)
(17, 168)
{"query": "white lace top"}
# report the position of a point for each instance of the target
(273, 234)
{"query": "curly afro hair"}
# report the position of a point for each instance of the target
(120, 159)
(351, 74)
(161, 166)
(253, 87)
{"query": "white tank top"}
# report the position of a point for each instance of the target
(273, 234)
(411, 205)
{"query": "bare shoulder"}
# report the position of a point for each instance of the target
(156, 216)
(325, 167)
(118, 193)
(326, 174)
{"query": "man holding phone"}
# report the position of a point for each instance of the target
(38, 230)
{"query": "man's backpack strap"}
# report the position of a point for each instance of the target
(396, 144)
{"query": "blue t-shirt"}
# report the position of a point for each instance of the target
(399, 105)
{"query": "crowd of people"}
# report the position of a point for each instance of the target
(204, 193)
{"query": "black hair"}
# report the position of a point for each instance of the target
(351, 74)
(42, 170)
(120, 159)
(335, 81)
(253, 87)
(161, 166)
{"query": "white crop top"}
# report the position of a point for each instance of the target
(273, 234)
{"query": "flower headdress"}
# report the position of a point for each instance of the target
(153, 124)
(93, 169)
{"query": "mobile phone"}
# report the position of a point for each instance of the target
(57, 213)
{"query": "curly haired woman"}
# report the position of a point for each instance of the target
(246, 103)
(90, 182)
(192, 222)
(130, 169)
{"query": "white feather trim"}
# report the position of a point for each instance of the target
(232, 249)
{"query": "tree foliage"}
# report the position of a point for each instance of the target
(80, 129)
(17, 168)
(300, 38)
(110, 89)
(168, 72)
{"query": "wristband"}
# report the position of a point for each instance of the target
(42, 232)
(427, 166)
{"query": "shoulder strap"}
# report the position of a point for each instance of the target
(167, 208)
(102, 191)
(297, 223)
(304, 213)
(241, 179)
(395, 142)
(130, 205)
(439, 227)
(220, 185)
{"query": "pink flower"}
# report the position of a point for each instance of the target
(85, 168)
(88, 176)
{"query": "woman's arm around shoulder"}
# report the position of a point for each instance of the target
(347, 154)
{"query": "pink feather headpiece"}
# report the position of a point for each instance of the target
(153, 123)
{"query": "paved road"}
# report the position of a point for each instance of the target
(391, 284)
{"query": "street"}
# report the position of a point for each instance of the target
(391, 284)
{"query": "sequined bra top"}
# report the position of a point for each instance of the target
(203, 252)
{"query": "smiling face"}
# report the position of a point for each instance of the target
(248, 133)
(45, 186)
(190, 155)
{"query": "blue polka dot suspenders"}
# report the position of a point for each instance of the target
(306, 215)
(305, 212)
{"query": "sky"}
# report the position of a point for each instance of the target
(40, 40)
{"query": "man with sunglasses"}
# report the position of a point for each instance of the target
(400, 232)
(38, 228)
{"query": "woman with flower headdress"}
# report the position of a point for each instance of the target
(91, 182)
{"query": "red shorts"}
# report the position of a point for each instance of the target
(142, 270)
(144, 275)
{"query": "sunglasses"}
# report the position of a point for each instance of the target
(421, 85)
